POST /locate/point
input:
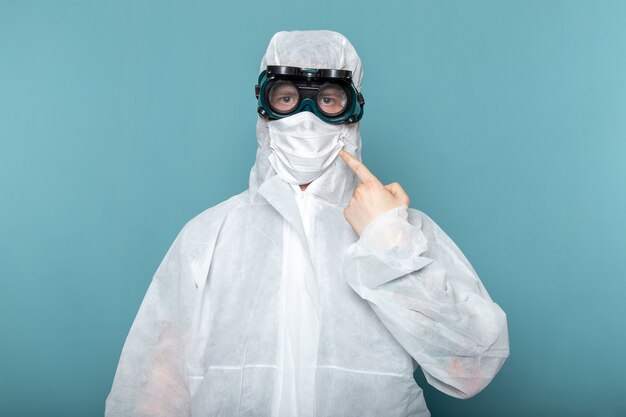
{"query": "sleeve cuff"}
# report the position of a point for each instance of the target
(385, 232)
(389, 247)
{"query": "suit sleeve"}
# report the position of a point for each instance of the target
(430, 298)
(150, 379)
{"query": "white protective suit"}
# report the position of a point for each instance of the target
(269, 304)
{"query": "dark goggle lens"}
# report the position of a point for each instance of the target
(283, 96)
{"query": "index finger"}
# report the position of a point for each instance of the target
(357, 166)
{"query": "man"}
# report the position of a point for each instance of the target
(317, 290)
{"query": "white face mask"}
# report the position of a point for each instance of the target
(304, 146)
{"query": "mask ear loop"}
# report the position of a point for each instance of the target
(352, 147)
(349, 147)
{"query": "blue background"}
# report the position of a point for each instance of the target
(504, 121)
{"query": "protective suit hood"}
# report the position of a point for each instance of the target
(311, 49)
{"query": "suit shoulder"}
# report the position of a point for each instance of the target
(210, 220)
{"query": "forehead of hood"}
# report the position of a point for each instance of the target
(313, 49)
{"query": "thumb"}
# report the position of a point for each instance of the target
(398, 192)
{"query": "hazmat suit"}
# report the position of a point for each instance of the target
(269, 303)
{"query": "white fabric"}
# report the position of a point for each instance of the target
(299, 325)
(269, 304)
(303, 146)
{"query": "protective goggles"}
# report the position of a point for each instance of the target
(329, 93)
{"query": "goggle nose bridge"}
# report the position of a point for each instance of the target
(307, 104)
(311, 92)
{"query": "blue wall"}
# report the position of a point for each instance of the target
(504, 121)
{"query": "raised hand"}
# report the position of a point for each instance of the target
(371, 198)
